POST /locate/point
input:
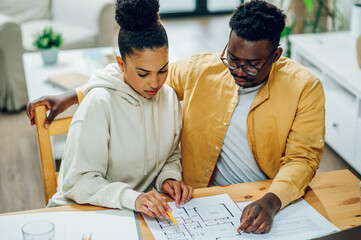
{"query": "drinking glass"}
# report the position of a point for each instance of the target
(38, 230)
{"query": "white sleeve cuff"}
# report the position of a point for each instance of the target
(167, 175)
(128, 197)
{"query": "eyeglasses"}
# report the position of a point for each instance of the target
(247, 68)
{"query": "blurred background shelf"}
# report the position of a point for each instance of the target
(332, 57)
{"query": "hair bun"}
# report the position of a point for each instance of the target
(135, 15)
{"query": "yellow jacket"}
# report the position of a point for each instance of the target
(285, 124)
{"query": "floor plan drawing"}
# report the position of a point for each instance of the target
(215, 217)
(218, 217)
(298, 220)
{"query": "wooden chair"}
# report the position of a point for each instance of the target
(58, 126)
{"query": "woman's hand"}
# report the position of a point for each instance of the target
(56, 104)
(178, 190)
(152, 204)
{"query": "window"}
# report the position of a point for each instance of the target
(188, 8)
(172, 6)
(223, 5)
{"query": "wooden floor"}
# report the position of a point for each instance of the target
(20, 175)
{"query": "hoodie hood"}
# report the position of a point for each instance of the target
(111, 77)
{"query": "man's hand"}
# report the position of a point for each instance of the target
(56, 104)
(178, 190)
(257, 217)
(152, 204)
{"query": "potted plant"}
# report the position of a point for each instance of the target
(48, 42)
(307, 18)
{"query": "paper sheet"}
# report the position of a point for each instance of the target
(107, 224)
(215, 217)
(297, 221)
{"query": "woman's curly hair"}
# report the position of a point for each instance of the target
(140, 27)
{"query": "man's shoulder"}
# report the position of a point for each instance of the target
(205, 60)
(293, 71)
(293, 79)
(200, 60)
(205, 56)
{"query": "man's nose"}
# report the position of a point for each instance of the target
(240, 72)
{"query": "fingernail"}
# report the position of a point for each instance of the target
(238, 230)
(182, 203)
(169, 210)
(46, 125)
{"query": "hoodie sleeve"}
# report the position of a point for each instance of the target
(172, 169)
(85, 160)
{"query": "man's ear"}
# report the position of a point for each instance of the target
(120, 62)
(278, 54)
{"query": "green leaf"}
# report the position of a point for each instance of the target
(309, 5)
(48, 39)
(286, 31)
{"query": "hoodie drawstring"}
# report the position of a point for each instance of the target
(145, 139)
(156, 134)
(156, 125)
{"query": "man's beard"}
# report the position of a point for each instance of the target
(247, 80)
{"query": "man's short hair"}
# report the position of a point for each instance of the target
(258, 20)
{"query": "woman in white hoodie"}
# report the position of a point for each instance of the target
(123, 140)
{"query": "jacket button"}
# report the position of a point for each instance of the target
(207, 171)
(217, 148)
(225, 124)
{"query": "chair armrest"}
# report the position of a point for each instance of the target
(84, 13)
(5, 19)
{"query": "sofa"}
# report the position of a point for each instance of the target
(83, 23)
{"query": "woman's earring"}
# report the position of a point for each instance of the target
(120, 62)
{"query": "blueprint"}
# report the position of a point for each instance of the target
(215, 217)
(299, 220)
(218, 217)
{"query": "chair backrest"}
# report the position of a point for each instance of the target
(58, 126)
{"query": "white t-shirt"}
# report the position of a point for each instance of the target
(236, 163)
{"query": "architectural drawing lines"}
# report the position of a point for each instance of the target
(199, 222)
(210, 218)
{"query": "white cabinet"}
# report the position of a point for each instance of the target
(340, 129)
(358, 148)
(332, 57)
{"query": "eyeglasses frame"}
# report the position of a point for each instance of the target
(242, 65)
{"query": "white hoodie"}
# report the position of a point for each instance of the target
(119, 144)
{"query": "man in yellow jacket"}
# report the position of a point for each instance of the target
(248, 114)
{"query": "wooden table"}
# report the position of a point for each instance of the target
(333, 194)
